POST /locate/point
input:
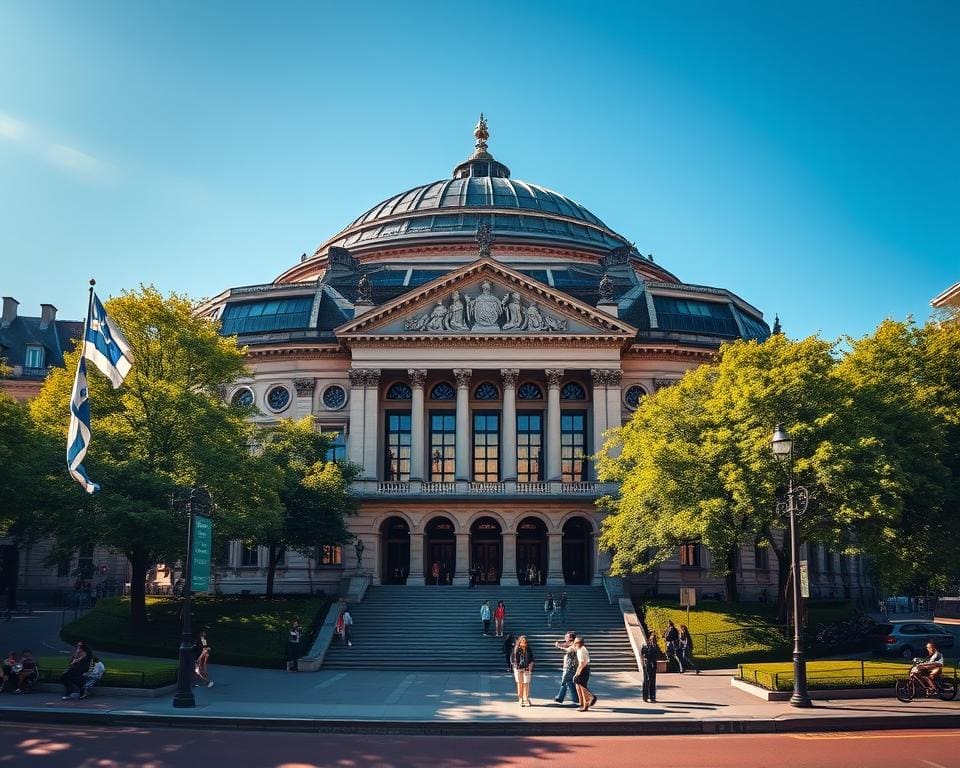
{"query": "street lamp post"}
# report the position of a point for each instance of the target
(796, 505)
(198, 503)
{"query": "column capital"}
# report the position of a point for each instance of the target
(614, 377)
(304, 387)
(417, 376)
(364, 377)
(463, 376)
(510, 376)
(606, 377)
(554, 376)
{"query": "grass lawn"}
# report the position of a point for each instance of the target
(826, 674)
(245, 631)
(726, 634)
(119, 673)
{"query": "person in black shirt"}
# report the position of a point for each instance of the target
(649, 653)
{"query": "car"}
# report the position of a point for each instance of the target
(908, 639)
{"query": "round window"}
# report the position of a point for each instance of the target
(242, 398)
(334, 397)
(278, 398)
(634, 395)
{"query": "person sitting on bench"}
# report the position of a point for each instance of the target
(92, 677)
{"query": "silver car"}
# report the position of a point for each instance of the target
(909, 639)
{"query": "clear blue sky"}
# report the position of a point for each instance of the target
(804, 155)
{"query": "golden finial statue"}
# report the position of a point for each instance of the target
(482, 134)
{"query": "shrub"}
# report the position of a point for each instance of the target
(119, 673)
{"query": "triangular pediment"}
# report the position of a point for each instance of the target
(484, 298)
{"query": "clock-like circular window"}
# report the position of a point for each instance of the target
(334, 397)
(633, 396)
(242, 398)
(278, 398)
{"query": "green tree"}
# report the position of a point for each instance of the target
(313, 493)
(167, 427)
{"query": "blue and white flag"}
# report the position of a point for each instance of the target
(105, 346)
(78, 436)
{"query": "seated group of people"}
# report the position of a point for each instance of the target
(19, 673)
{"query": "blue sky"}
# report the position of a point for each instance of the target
(804, 155)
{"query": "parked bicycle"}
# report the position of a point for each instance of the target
(912, 687)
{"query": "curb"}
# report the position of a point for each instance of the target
(666, 727)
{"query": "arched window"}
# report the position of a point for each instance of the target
(443, 391)
(399, 391)
(573, 391)
(529, 391)
(486, 391)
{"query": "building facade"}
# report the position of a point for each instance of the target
(469, 341)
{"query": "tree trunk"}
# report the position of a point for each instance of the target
(139, 564)
(273, 557)
(730, 580)
(783, 574)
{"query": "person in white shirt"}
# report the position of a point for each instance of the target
(347, 627)
(582, 676)
(92, 677)
(932, 668)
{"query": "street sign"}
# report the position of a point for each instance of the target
(200, 554)
(804, 580)
(688, 597)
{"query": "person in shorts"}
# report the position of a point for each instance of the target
(582, 676)
(522, 663)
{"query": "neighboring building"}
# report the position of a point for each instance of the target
(469, 341)
(31, 347)
(949, 299)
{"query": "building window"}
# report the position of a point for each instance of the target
(690, 555)
(697, 316)
(633, 396)
(334, 397)
(399, 391)
(249, 556)
(573, 446)
(761, 556)
(63, 565)
(338, 445)
(265, 316)
(486, 447)
(34, 357)
(573, 391)
(486, 391)
(85, 561)
(828, 561)
(529, 391)
(330, 556)
(443, 446)
(278, 398)
(813, 559)
(397, 459)
(242, 398)
(529, 447)
(443, 391)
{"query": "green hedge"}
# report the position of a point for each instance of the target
(243, 631)
(118, 673)
(826, 675)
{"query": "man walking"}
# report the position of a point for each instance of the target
(569, 668)
(672, 638)
(648, 658)
(485, 617)
(562, 608)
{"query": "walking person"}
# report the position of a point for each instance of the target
(522, 663)
(686, 648)
(485, 617)
(203, 659)
(562, 608)
(569, 669)
(293, 645)
(347, 627)
(582, 676)
(549, 608)
(672, 638)
(79, 664)
(649, 653)
(499, 614)
(507, 648)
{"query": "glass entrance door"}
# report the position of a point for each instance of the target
(486, 559)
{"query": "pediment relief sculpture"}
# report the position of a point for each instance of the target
(484, 313)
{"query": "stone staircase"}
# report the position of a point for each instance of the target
(439, 628)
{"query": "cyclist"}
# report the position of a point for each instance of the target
(931, 669)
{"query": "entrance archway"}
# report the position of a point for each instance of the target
(439, 552)
(486, 550)
(395, 549)
(532, 551)
(577, 551)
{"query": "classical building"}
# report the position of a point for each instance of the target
(949, 299)
(470, 341)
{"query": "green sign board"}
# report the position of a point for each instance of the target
(200, 556)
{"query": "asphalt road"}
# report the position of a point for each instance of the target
(57, 747)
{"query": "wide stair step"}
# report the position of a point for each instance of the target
(439, 628)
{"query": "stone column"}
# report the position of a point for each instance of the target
(304, 387)
(555, 562)
(508, 449)
(415, 578)
(554, 377)
(463, 376)
(462, 578)
(508, 577)
(371, 408)
(613, 403)
(355, 428)
(417, 422)
(599, 397)
(601, 560)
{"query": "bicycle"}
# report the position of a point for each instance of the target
(907, 690)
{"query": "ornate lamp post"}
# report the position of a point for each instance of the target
(796, 505)
(358, 548)
(198, 503)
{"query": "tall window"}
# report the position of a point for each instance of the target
(63, 565)
(338, 446)
(828, 561)
(690, 555)
(443, 446)
(85, 561)
(249, 556)
(761, 556)
(486, 447)
(573, 446)
(397, 459)
(529, 445)
(330, 556)
(33, 357)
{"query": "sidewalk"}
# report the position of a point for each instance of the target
(472, 702)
